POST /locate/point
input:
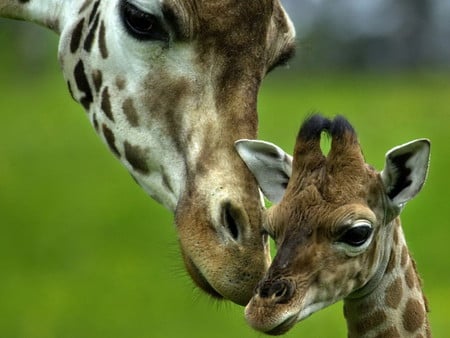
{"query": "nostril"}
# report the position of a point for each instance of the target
(229, 221)
(233, 220)
(278, 290)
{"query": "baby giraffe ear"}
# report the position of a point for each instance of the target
(405, 170)
(270, 165)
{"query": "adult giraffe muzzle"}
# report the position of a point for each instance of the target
(169, 85)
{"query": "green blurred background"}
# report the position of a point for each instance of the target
(85, 253)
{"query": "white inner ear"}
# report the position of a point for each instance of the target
(406, 170)
(271, 166)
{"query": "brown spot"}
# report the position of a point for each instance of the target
(97, 78)
(370, 322)
(130, 112)
(94, 11)
(90, 37)
(76, 36)
(83, 85)
(120, 83)
(106, 104)
(404, 256)
(102, 41)
(110, 139)
(394, 293)
(413, 316)
(391, 263)
(136, 157)
(410, 276)
(391, 332)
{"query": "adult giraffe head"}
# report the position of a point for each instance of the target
(169, 85)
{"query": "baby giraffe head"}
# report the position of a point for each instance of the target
(333, 224)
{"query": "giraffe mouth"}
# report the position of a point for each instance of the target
(290, 320)
(284, 327)
(310, 309)
(200, 280)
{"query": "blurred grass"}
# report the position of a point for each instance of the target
(85, 253)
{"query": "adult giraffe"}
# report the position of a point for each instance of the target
(169, 85)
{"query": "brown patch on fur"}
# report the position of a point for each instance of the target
(110, 139)
(391, 332)
(102, 41)
(404, 259)
(130, 112)
(76, 36)
(410, 277)
(391, 263)
(120, 82)
(394, 293)
(413, 316)
(90, 37)
(106, 104)
(83, 85)
(94, 11)
(370, 322)
(97, 79)
(135, 155)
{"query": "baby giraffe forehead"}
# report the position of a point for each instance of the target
(327, 206)
(313, 207)
(333, 185)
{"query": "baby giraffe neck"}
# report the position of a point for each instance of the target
(397, 306)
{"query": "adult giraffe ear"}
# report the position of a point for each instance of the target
(405, 170)
(271, 166)
(48, 13)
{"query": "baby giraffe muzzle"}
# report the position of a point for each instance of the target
(337, 229)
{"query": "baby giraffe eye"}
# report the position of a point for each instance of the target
(357, 235)
(142, 25)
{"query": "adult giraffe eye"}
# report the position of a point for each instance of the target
(142, 25)
(357, 235)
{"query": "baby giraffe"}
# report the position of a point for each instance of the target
(338, 233)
